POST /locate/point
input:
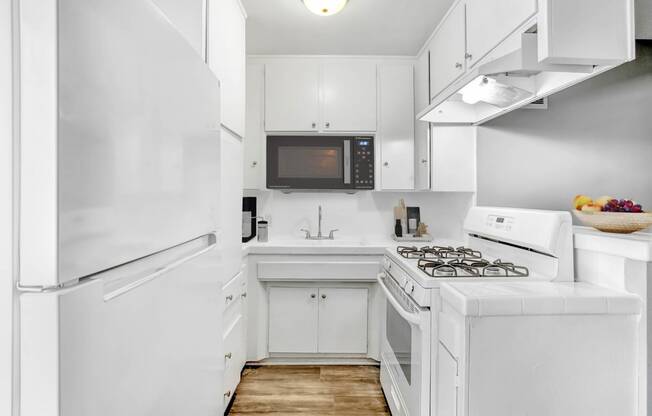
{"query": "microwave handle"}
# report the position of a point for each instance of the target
(347, 162)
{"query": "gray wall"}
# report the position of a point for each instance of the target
(595, 139)
(643, 19)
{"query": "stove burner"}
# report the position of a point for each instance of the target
(439, 268)
(409, 252)
(465, 253)
(500, 269)
(470, 267)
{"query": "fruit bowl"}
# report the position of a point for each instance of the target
(615, 222)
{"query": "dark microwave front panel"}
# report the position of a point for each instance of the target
(318, 162)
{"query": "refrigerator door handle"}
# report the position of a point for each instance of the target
(179, 255)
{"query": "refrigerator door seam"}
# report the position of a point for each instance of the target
(210, 243)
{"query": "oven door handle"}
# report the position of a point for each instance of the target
(412, 318)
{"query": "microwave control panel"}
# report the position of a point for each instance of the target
(363, 163)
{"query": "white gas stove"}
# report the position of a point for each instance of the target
(502, 245)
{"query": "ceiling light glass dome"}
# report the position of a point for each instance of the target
(325, 7)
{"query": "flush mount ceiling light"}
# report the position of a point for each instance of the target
(325, 7)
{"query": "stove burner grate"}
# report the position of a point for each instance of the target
(409, 252)
(471, 268)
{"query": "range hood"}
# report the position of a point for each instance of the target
(497, 86)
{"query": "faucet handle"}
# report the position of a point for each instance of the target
(331, 235)
(307, 233)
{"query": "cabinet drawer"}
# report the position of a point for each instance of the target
(234, 355)
(311, 271)
(235, 290)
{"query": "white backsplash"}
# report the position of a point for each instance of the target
(364, 216)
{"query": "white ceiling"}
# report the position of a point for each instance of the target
(364, 27)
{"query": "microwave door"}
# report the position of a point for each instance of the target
(306, 163)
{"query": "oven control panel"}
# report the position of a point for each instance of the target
(500, 222)
(363, 163)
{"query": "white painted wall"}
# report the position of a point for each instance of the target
(365, 216)
(188, 17)
(595, 139)
(6, 204)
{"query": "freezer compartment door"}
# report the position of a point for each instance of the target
(119, 137)
(145, 341)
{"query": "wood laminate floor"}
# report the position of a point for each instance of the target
(308, 390)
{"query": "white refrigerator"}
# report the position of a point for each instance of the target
(119, 235)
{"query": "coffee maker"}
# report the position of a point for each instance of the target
(248, 218)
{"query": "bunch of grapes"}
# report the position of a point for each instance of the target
(623, 205)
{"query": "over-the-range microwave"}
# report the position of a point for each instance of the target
(314, 163)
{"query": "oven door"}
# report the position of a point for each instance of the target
(405, 351)
(309, 162)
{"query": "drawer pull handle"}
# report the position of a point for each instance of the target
(227, 394)
(229, 298)
(323, 296)
(312, 296)
(228, 356)
(244, 295)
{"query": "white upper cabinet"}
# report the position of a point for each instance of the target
(292, 96)
(603, 35)
(396, 133)
(254, 140)
(349, 96)
(226, 55)
(489, 22)
(313, 95)
(421, 137)
(447, 50)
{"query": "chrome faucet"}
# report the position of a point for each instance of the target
(319, 226)
(319, 236)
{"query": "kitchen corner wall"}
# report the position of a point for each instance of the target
(8, 304)
(364, 216)
(594, 139)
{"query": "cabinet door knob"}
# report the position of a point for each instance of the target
(244, 294)
(323, 296)
(254, 164)
(227, 394)
(229, 298)
(228, 356)
(312, 296)
(424, 160)
(386, 164)
(458, 65)
(468, 56)
(314, 125)
(328, 124)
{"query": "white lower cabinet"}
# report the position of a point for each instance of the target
(317, 320)
(234, 335)
(447, 382)
(293, 318)
(342, 320)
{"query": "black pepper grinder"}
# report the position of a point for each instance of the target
(398, 229)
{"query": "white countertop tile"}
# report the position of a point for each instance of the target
(537, 298)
